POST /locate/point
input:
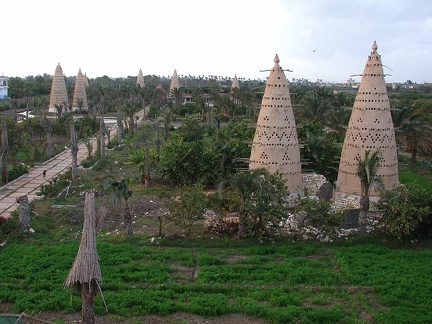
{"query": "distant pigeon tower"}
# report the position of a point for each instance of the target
(175, 84)
(235, 83)
(79, 93)
(58, 91)
(86, 80)
(140, 79)
(275, 145)
(234, 90)
(370, 128)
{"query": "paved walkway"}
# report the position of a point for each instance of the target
(29, 184)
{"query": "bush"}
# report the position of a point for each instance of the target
(17, 172)
(407, 212)
(188, 207)
(55, 185)
(9, 226)
(319, 214)
(90, 161)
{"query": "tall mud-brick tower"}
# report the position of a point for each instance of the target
(140, 79)
(275, 145)
(58, 91)
(370, 128)
(80, 95)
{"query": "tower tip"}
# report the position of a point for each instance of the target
(374, 46)
(276, 59)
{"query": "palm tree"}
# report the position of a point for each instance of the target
(177, 93)
(338, 120)
(167, 115)
(119, 126)
(245, 184)
(59, 109)
(367, 171)
(413, 129)
(48, 131)
(131, 108)
(120, 189)
(314, 108)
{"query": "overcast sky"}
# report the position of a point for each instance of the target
(224, 37)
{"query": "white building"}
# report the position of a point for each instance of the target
(3, 87)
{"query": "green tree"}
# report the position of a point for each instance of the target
(188, 158)
(319, 149)
(367, 171)
(261, 198)
(407, 212)
(187, 207)
(120, 190)
(413, 128)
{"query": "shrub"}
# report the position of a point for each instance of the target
(188, 207)
(55, 185)
(17, 172)
(10, 225)
(407, 212)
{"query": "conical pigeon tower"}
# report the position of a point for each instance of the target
(86, 80)
(234, 90)
(235, 83)
(175, 84)
(79, 93)
(58, 91)
(140, 79)
(370, 128)
(275, 145)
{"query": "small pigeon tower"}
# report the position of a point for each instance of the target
(234, 90)
(275, 145)
(370, 128)
(140, 79)
(235, 83)
(80, 95)
(86, 80)
(175, 83)
(58, 91)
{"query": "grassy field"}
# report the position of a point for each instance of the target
(278, 281)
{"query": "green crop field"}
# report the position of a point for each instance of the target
(278, 281)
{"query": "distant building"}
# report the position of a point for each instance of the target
(4, 87)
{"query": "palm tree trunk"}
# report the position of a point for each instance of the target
(128, 220)
(364, 207)
(157, 143)
(119, 127)
(413, 156)
(102, 138)
(147, 179)
(74, 152)
(24, 213)
(4, 153)
(87, 305)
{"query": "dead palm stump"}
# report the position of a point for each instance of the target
(85, 273)
(24, 213)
